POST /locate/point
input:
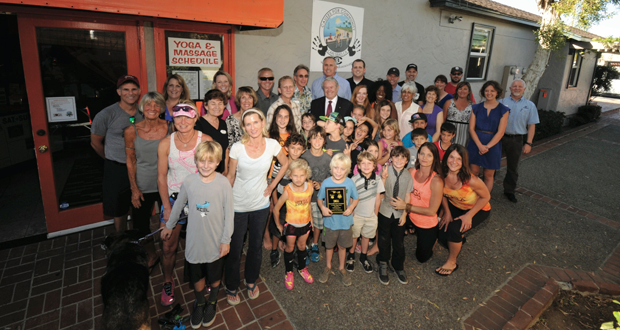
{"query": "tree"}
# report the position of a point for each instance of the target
(578, 13)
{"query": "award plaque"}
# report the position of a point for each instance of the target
(336, 199)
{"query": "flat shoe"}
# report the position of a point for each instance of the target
(450, 271)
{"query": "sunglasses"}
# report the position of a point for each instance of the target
(266, 78)
(132, 119)
(185, 108)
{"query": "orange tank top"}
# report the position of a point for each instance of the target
(421, 196)
(464, 198)
(298, 211)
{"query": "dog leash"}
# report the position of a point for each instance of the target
(149, 235)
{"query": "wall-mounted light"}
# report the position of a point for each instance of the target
(453, 18)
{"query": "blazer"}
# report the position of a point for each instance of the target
(343, 107)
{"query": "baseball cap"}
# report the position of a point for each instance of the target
(348, 118)
(412, 66)
(418, 116)
(183, 109)
(393, 71)
(335, 117)
(455, 69)
(127, 78)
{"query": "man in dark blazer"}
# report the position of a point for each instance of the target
(330, 102)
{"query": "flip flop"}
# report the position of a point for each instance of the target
(253, 291)
(448, 274)
(232, 297)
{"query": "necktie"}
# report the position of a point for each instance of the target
(395, 192)
(329, 108)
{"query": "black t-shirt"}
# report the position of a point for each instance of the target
(219, 135)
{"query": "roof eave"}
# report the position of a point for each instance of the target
(482, 11)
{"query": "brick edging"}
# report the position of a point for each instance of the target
(529, 292)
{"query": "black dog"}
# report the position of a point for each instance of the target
(125, 284)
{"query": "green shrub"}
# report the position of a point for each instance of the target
(551, 123)
(585, 114)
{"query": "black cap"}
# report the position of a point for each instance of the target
(393, 71)
(412, 66)
(455, 69)
(418, 116)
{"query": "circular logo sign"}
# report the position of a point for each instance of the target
(337, 31)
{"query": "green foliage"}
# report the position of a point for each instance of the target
(551, 36)
(613, 325)
(586, 114)
(583, 13)
(603, 77)
(551, 123)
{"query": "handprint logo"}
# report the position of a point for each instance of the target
(319, 46)
(355, 47)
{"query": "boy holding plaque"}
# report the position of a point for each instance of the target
(337, 198)
(398, 183)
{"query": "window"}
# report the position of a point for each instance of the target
(480, 52)
(575, 68)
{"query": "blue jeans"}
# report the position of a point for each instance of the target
(254, 223)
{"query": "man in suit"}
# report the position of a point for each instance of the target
(329, 103)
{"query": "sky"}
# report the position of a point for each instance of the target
(605, 28)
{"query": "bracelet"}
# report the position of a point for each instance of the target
(130, 148)
(528, 143)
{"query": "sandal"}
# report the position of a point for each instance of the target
(439, 271)
(253, 291)
(233, 297)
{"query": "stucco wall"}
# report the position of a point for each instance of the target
(396, 33)
(565, 99)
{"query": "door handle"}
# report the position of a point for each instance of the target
(43, 148)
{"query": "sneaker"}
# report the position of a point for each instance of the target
(306, 275)
(366, 266)
(511, 197)
(383, 273)
(314, 254)
(210, 312)
(197, 315)
(350, 263)
(345, 277)
(288, 281)
(402, 276)
(167, 294)
(325, 275)
(275, 258)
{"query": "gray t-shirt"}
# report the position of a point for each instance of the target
(211, 217)
(111, 123)
(336, 146)
(320, 168)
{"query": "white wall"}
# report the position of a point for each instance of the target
(396, 33)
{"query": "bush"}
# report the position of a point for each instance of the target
(586, 114)
(551, 123)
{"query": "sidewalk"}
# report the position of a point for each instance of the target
(565, 190)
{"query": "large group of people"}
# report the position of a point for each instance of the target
(351, 163)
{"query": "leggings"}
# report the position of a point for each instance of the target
(142, 216)
(254, 222)
(454, 233)
(426, 240)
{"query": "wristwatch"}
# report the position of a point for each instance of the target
(528, 143)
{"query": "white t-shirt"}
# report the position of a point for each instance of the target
(251, 179)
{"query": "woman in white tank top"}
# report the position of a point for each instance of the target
(175, 161)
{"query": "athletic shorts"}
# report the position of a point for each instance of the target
(290, 230)
(116, 196)
(211, 271)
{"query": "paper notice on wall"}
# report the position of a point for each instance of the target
(194, 53)
(191, 80)
(205, 82)
(337, 32)
(61, 109)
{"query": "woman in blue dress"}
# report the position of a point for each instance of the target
(486, 128)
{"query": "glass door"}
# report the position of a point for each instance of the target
(71, 77)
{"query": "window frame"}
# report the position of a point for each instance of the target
(486, 56)
(574, 53)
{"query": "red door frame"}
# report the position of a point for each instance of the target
(56, 219)
(162, 25)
